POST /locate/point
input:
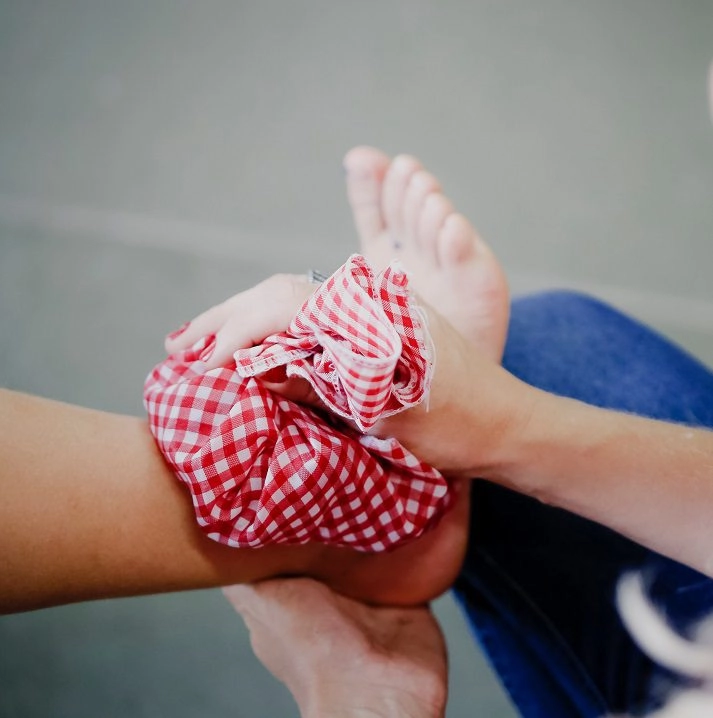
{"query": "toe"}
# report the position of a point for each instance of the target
(456, 241)
(366, 158)
(436, 209)
(396, 183)
(422, 184)
(365, 170)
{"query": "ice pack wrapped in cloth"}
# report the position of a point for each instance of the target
(262, 469)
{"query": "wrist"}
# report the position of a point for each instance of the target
(498, 452)
(528, 457)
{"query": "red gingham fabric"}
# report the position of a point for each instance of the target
(262, 469)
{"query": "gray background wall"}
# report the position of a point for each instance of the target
(157, 156)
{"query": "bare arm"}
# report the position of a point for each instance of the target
(89, 509)
(649, 480)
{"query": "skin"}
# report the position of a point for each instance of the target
(370, 661)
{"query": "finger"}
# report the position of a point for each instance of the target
(266, 309)
(209, 322)
(227, 341)
(244, 329)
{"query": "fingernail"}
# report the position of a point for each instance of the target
(179, 331)
(207, 352)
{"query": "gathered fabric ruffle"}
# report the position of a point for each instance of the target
(262, 469)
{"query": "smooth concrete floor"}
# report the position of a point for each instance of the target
(157, 156)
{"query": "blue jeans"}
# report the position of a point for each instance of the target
(538, 583)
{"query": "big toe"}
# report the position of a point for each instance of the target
(365, 169)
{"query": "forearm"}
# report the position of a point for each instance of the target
(89, 509)
(649, 480)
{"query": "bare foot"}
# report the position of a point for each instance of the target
(401, 213)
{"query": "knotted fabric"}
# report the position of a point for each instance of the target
(262, 469)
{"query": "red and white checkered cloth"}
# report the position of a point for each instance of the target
(262, 469)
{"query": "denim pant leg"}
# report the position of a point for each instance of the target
(538, 582)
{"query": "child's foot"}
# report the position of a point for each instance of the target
(401, 213)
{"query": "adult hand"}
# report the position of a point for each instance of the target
(339, 657)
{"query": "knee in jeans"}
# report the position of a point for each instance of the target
(568, 303)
